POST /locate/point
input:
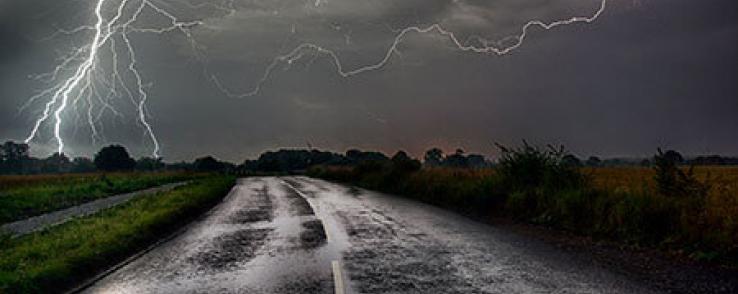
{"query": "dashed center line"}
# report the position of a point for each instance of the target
(337, 277)
(335, 264)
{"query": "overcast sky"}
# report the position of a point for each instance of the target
(648, 73)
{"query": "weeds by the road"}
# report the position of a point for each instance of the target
(59, 257)
(667, 206)
(26, 196)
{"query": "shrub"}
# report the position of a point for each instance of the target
(531, 168)
(675, 182)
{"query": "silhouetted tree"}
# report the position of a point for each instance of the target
(149, 164)
(403, 163)
(114, 158)
(456, 160)
(56, 163)
(673, 156)
(354, 156)
(571, 160)
(713, 160)
(594, 161)
(476, 161)
(433, 157)
(208, 164)
(14, 157)
(83, 165)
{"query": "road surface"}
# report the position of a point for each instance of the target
(303, 235)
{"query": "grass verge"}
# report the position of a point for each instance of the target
(22, 197)
(64, 256)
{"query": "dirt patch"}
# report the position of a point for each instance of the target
(298, 204)
(231, 249)
(313, 234)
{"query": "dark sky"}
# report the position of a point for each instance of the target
(648, 73)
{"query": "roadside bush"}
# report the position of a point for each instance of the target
(675, 182)
(530, 168)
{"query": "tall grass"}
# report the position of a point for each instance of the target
(26, 196)
(622, 204)
(60, 257)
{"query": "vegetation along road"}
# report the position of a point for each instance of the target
(303, 235)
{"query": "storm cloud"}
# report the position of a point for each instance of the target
(646, 74)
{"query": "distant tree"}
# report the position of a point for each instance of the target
(149, 164)
(208, 164)
(248, 165)
(403, 164)
(180, 166)
(645, 162)
(14, 157)
(456, 160)
(476, 161)
(83, 165)
(56, 163)
(713, 160)
(433, 157)
(673, 156)
(594, 161)
(354, 156)
(571, 160)
(400, 156)
(114, 158)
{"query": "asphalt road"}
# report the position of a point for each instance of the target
(302, 235)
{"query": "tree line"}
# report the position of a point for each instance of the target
(15, 159)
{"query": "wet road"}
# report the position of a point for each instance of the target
(303, 235)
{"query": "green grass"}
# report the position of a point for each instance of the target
(26, 196)
(63, 256)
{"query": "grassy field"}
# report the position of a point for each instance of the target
(26, 196)
(61, 257)
(621, 204)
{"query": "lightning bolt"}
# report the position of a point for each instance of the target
(491, 47)
(99, 64)
(87, 72)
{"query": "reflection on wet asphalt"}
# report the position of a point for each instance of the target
(290, 235)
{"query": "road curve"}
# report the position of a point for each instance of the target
(303, 235)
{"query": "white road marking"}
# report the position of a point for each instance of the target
(327, 234)
(337, 277)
